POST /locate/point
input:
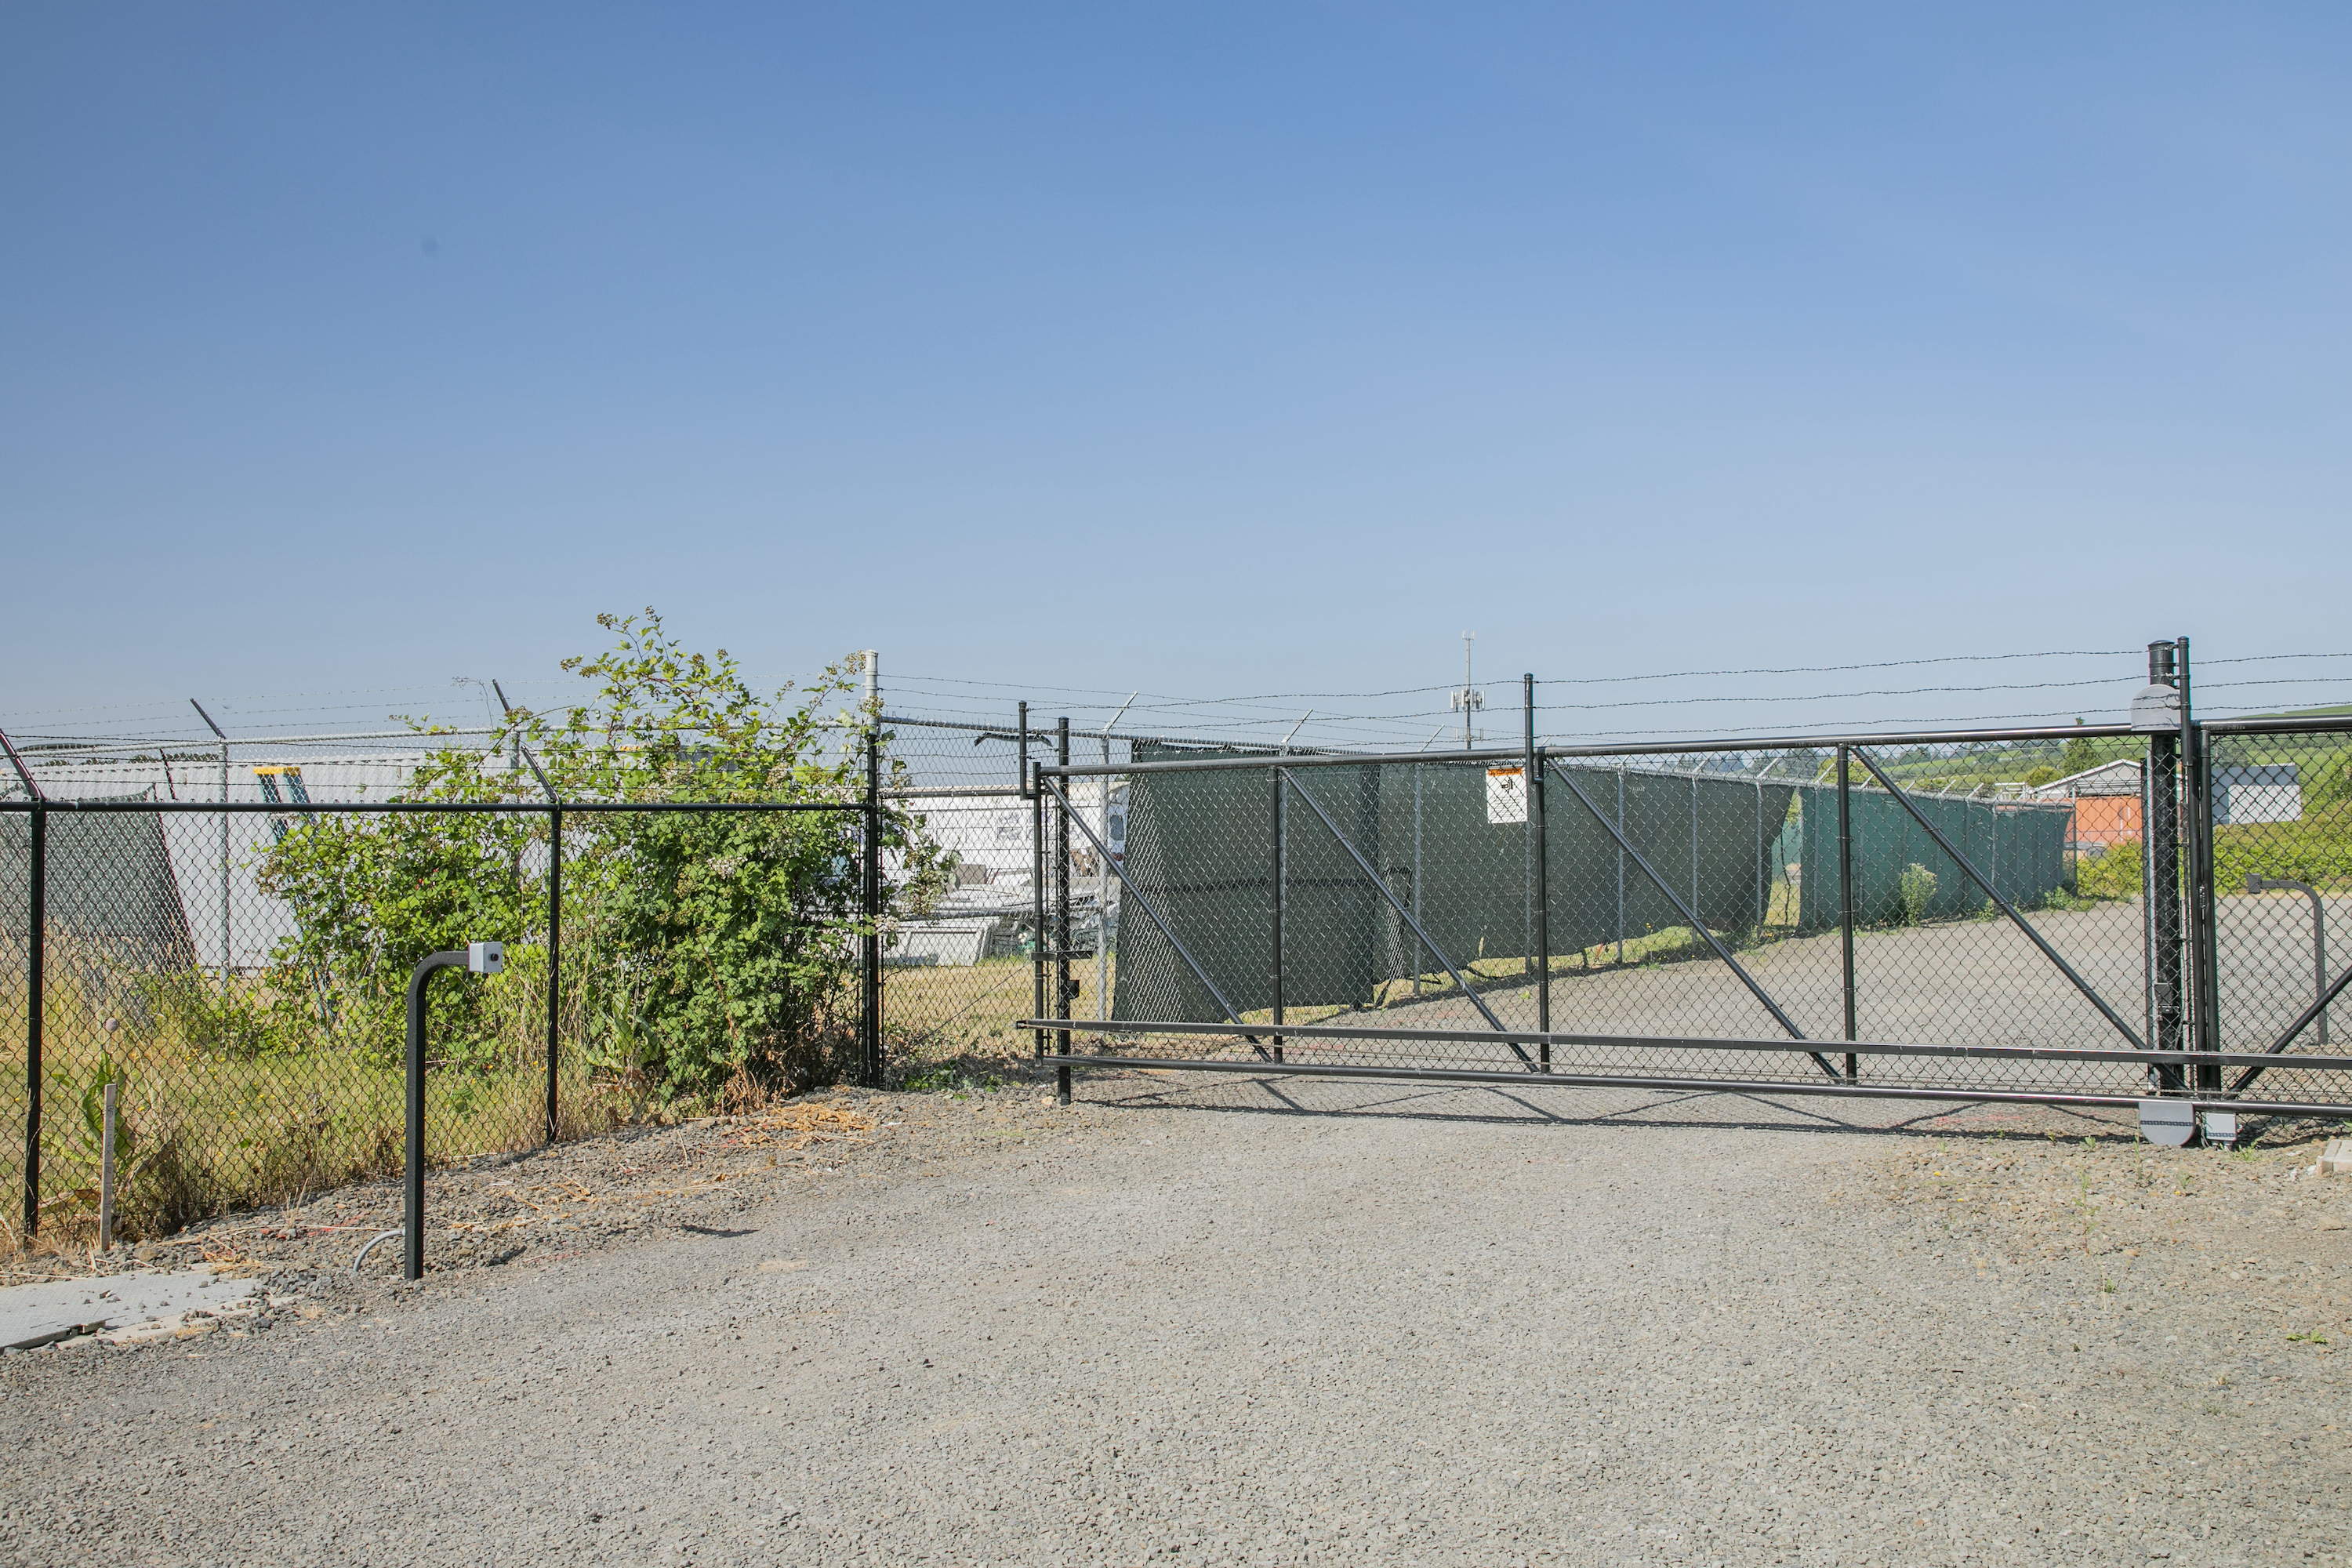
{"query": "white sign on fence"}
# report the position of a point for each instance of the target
(1507, 794)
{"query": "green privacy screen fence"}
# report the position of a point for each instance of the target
(2020, 845)
(1204, 848)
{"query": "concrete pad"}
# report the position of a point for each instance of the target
(33, 1315)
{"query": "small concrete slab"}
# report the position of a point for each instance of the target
(33, 1315)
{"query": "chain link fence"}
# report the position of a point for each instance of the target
(1946, 915)
(237, 969)
(1951, 915)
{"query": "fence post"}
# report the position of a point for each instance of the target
(2162, 897)
(1539, 892)
(1036, 796)
(554, 960)
(870, 956)
(35, 926)
(1278, 871)
(1062, 912)
(1845, 899)
(2196, 804)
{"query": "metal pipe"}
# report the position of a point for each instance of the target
(1036, 798)
(1699, 1085)
(404, 807)
(1721, 951)
(1993, 893)
(224, 958)
(413, 1178)
(1129, 889)
(1374, 877)
(2161, 891)
(36, 945)
(869, 978)
(1845, 894)
(1062, 913)
(554, 925)
(1277, 870)
(2096, 1054)
(1643, 749)
(1540, 855)
(2197, 792)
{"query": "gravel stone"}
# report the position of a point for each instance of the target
(1245, 1321)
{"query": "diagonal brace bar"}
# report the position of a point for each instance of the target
(1395, 903)
(2325, 1000)
(1691, 915)
(1167, 931)
(1993, 893)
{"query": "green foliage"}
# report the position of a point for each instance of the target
(2329, 789)
(2080, 756)
(2114, 873)
(2036, 777)
(698, 947)
(1917, 889)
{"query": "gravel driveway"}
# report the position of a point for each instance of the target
(1235, 1321)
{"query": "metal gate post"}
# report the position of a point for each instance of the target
(1846, 898)
(1277, 869)
(1036, 796)
(2197, 807)
(1062, 911)
(2161, 899)
(1540, 894)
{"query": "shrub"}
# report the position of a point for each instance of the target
(1917, 889)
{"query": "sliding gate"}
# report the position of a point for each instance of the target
(1898, 915)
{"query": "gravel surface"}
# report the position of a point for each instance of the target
(1240, 1322)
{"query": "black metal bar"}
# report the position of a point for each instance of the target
(1691, 915)
(2162, 891)
(1643, 748)
(391, 807)
(1377, 881)
(869, 977)
(1128, 883)
(36, 1004)
(2112, 1054)
(1691, 1085)
(2317, 724)
(2019, 921)
(413, 1177)
(1036, 799)
(1062, 912)
(1539, 856)
(554, 970)
(36, 920)
(2197, 806)
(1845, 896)
(2326, 998)
(1278, 871)
(554, 927)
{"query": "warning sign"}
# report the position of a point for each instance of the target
(1507, 794)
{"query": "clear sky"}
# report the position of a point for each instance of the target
(1200, 349)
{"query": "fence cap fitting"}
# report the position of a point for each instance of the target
(486, 957)
(2155, 710)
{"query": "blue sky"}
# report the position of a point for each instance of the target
(1199, 350)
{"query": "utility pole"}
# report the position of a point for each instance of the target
(1469, 700)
